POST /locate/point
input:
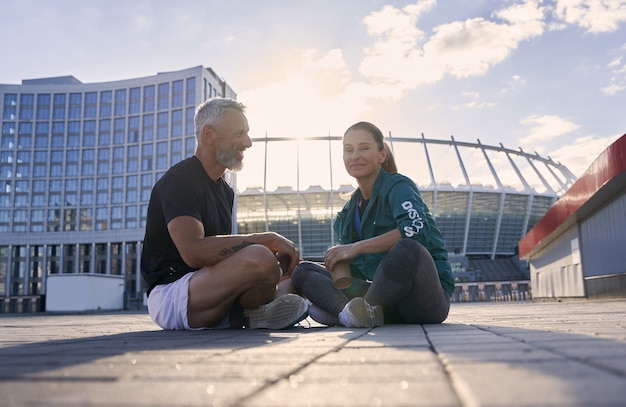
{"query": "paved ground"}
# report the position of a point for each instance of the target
(486, 354)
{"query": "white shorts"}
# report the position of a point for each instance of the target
(167, 306)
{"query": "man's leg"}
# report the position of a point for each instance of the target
(248, 277)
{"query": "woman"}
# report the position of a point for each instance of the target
(399, 266)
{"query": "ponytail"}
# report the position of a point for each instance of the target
(389, 164)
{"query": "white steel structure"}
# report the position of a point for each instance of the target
(484, 198)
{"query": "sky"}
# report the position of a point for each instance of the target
(544, 76)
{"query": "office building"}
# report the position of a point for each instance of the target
(77, 164)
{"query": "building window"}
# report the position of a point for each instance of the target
(73, 134)
(58, 106)
(190, 146)
(43, 106)
(177, 124)
(8, 138)
(104, 133)
(132, 157)
(177, 93)
(91, 104)
(86, 219)
(189, 123)
(69, 221)
(41, 157)
(26, 106)
(23, 157)
(54, 220)
(162, 126)
(69, 258)
(118, 160)
(164, 96)
(120, 102)
(131, 216)
(106, 100)
(22, 170)
(58, 134)
(38, 200)
(146, 157)
(10, 106)
(119, 131)
(24, 128)
(148, 99)
(89, 133)
(101, 218)
(148, 127)
(40, 170)
(134, 106)
(161, 157)
(133, 129)
(42, 134)
(191, 91)
(176, 151)
(76, 103)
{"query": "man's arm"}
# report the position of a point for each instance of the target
(199, 251)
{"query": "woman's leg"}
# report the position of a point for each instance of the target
(407, 280)
(314, 282)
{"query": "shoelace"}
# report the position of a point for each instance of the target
(301, 324)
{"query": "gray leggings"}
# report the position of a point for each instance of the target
(406, 284)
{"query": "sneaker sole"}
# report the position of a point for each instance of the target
(282, 313)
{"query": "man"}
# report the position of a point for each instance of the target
(199, 275)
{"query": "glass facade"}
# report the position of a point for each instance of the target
(77, 164)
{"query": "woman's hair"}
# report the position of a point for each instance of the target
(389, 164)
(211, 110)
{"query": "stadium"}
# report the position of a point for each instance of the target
(484, 198)
(78, 161)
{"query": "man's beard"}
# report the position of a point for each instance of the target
(229, 160)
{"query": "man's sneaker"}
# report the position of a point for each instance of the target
(282, 313)
(358, 313)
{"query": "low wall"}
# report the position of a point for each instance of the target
(611, 286)
(84, 292)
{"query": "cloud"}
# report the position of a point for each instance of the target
(618, 75)
(545, 128)
(474, 101)
(311, 100)
(578, 155)
(593, 15)
(403, 54)
(403, 57)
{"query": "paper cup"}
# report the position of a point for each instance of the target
(341, 275)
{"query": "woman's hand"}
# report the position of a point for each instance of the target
(378, 244)
(339, 253)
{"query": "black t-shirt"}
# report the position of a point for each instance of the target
(184, 190)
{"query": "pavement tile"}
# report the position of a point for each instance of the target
(408, 392)
(485, 354)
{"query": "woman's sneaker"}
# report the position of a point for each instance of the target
(282, 313)
(358, 313)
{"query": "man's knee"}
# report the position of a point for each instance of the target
(261, 263)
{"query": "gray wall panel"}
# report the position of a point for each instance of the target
(603, 240)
